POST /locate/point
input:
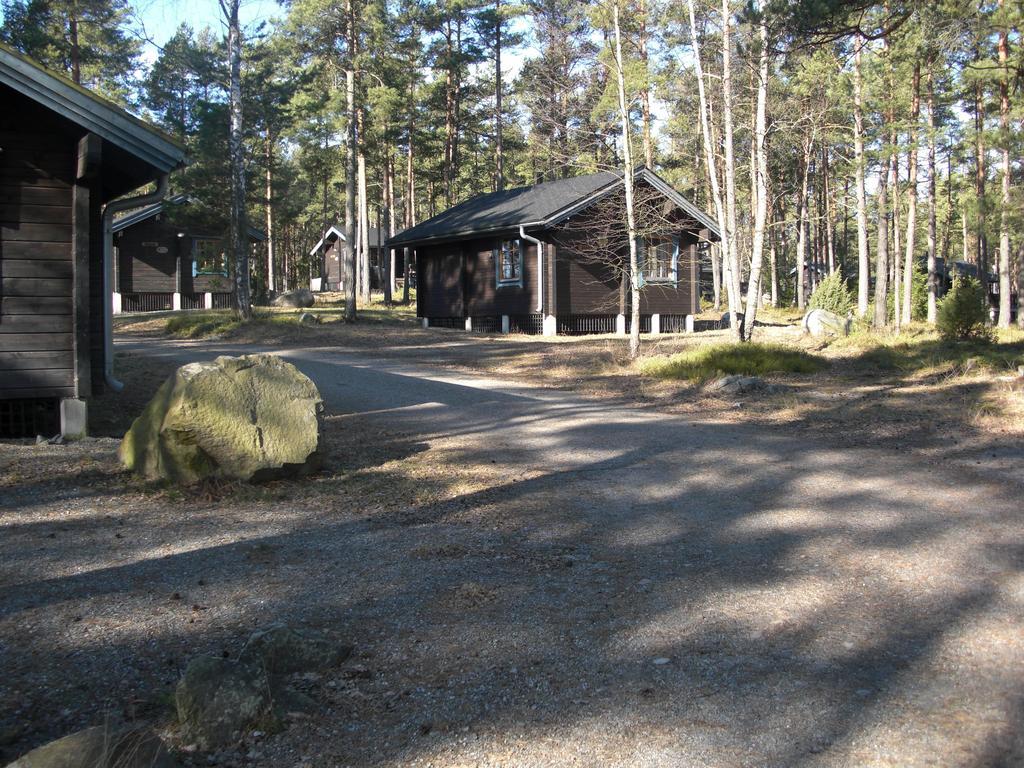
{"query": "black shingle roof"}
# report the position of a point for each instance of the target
(540, 204)
(510, 208)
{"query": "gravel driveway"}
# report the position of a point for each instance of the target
(633, 589)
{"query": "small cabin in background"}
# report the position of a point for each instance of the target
(553, 258)
(332, 248)
(65, 156)
(167, 257)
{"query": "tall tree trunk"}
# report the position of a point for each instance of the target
(645, 89)
(351, 149)
(912, 150)
(981, 252)
(863, 257)
(709, 160)
(730, 167)
(801, 222)
(388, 230)
(1004, 208)
(269, 203)
(830, 245)
(882, 253)
(238, 242)
(761, 181)
(932, 213)
(364, 230)
(499, 151)
(627, 169)
(76, 50)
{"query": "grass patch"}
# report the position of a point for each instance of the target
(705, 363)
(919, 348)
(199, 325)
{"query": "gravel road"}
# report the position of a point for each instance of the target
(638, 589)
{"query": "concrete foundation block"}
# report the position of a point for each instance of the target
(506, 324)
(175, 301)
(689, 323)
(620, 325)
(426, 323)
(655, 325)
(550, 326)
(73, 418)
(469, 323)
(115, 302)
(208, 300)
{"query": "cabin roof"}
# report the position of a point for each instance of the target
(539, 205)
(131, 218)
(334, 233)
(94, 113)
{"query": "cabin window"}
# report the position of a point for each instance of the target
(208, 257)
(659, 260)
(508, 258)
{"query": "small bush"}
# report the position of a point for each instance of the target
(962, 312)
(832, 295)
(705, 363)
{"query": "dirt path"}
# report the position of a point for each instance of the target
(536, 578)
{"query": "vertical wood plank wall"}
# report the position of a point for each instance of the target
(37, 174)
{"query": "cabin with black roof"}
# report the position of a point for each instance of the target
(551, 258)
(65, 155)
(174, 255)
(331, 250)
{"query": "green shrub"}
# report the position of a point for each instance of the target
(962, 312)
(704, 363)
(832, 295)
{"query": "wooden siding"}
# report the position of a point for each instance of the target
(142, 268)
(37, 176)
(457, 279)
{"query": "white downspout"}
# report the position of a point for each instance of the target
(108, 271)
(540, 266)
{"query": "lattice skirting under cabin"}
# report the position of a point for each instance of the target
(581, 325)
(29, 417)
(147, 302)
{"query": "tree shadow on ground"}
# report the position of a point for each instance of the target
(804, 605)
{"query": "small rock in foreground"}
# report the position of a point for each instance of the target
(217, 698)
(284, 651)
(99, 747)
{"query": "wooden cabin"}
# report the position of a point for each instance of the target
(330, 251)
(65, 155)
(167, 257)
(553, 258)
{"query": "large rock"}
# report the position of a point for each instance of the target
(219, 700)
(297, 299)
(99, 747)
(282, 650)
(254, 417)
(726, 320)
(735, 384)
(821, 322)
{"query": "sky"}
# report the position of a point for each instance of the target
(160, 18)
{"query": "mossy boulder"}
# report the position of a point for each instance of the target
(99, 747)
(219, 700)
(283, 650)
(254, 417)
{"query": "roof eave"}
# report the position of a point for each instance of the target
(93, 113)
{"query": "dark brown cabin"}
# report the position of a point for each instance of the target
(330, 251)
(165, 258)
(64, 155)
(478, 265)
